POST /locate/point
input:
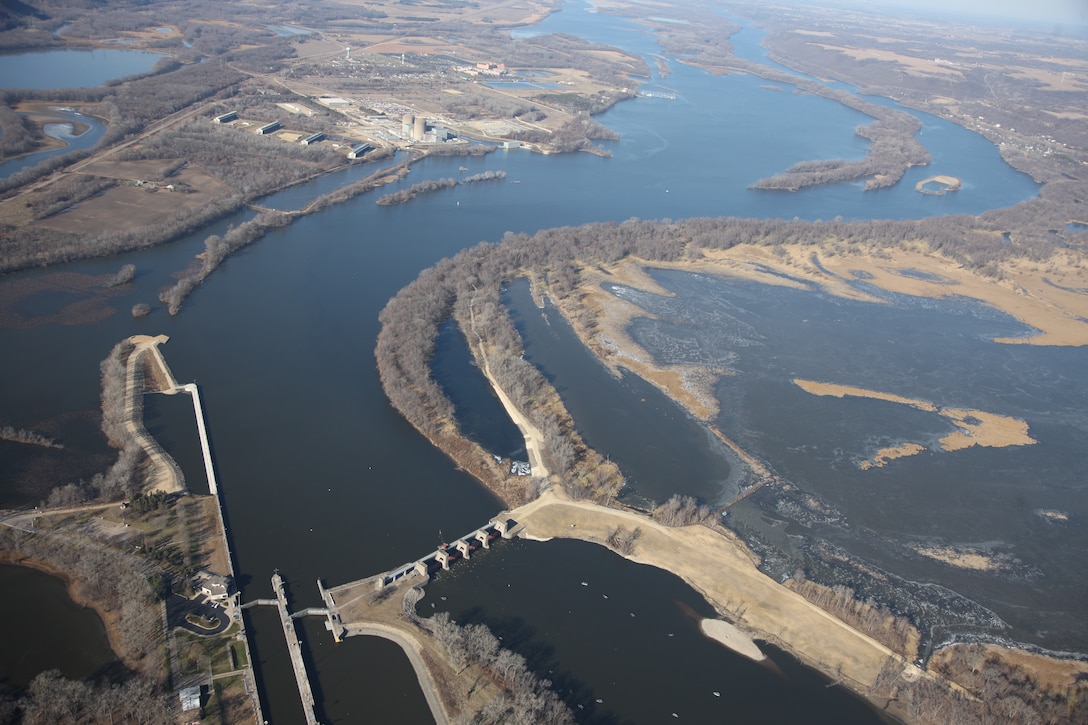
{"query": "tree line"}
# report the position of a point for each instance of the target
(878, 621)
(20, 435)
(997, 691)
(52, 698)
(216, 249)
(403, 196)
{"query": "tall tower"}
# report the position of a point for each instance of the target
(406, 125)
(419, 129)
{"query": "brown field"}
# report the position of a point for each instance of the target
(416, 44)
(911, 65)
(1050, 80)
(130, 207)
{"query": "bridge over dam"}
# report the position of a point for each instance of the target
(386, 626)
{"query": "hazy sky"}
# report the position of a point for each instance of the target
(1048, 11)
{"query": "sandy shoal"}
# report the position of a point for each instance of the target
(975, 427)
(733, 638)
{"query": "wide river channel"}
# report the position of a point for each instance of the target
(321, 478)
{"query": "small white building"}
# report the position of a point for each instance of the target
(214, 586)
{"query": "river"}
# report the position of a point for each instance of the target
(321, 478)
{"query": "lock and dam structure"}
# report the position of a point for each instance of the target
(419, 571)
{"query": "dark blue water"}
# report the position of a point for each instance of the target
(72, 68)
(725, 132)
(660, 449)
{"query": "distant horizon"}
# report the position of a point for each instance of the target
(1069, 13)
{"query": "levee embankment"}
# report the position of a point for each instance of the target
(163, 472)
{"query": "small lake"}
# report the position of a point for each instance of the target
(51, 631)
(72, 68)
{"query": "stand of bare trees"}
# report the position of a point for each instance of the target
(17, 138)
(123, 276)
(52, 698)
(526, 699)
(682, 511)
(868, 616)
(19, 435)
(623, 541)
(893, 150)
(425, 187)
(997, 691)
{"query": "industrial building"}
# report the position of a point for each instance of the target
(358, 151)
(313, 139)
(269, 128)
(226, 117)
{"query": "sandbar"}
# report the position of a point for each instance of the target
(974, 427)
(721, 631)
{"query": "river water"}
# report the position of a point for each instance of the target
(321, 478)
